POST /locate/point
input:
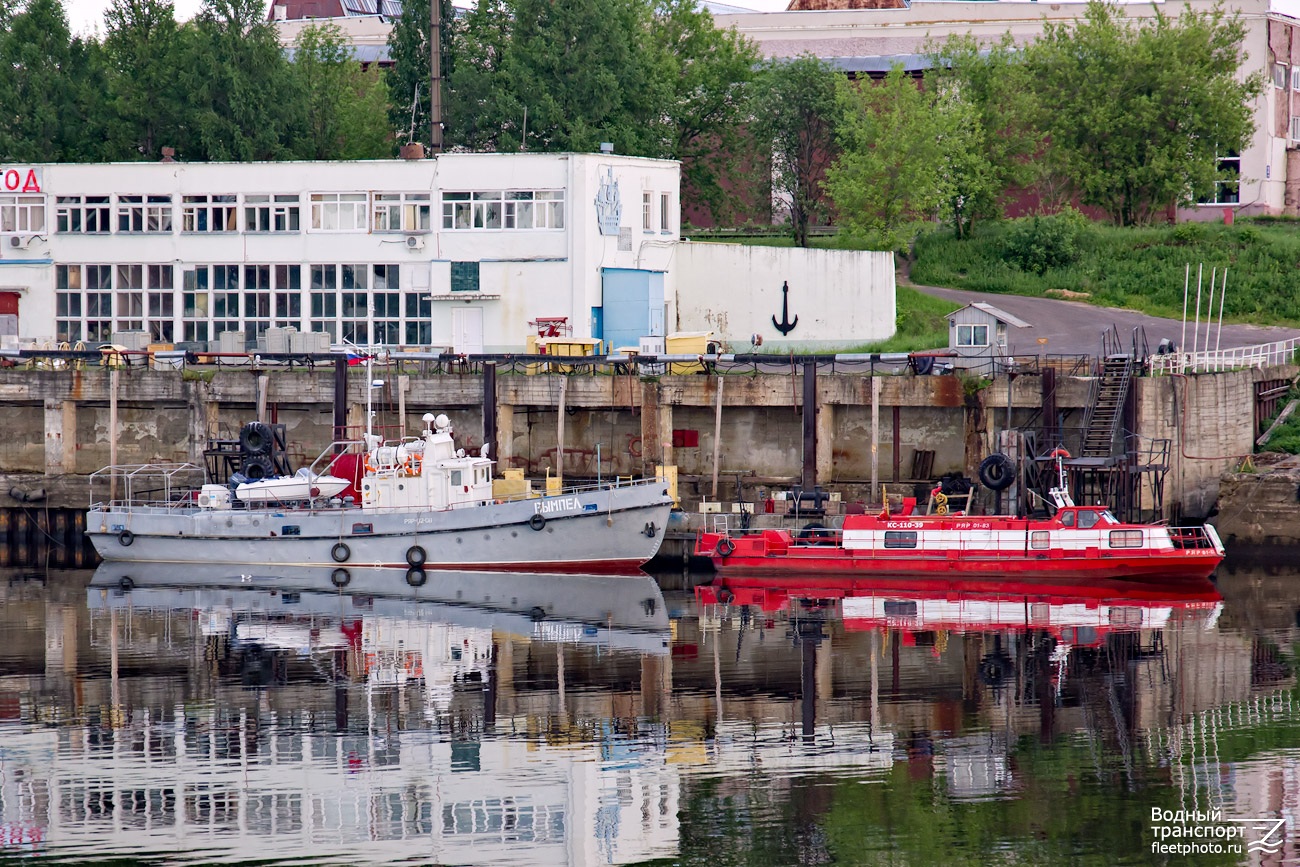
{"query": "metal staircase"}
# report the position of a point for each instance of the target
(1106, 409)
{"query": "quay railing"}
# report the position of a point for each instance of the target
(1220, 360)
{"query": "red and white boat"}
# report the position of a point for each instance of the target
(1078, 542)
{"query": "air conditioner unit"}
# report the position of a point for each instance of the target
(20, 242)
(415, 242)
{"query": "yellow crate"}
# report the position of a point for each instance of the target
(687, 343)
(568, 346)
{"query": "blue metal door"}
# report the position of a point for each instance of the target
(633, 306)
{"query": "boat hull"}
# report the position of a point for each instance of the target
(750, 555)
(609, 530)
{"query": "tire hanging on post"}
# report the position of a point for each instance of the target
(997, 473)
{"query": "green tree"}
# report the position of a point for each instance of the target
(900, 147)
(38, 113)
(142, 55)
(710, 71)
(584, 71)
(796, 109)
(409, 80)
(482, 109)
(239, 83)
(1162, 103)
(345, 108)
(988, 90)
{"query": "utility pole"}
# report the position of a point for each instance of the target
(435, 90)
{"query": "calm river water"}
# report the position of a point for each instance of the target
(205, 716)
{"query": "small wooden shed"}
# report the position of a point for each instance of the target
(981, 335)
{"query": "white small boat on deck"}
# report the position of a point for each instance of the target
(302, 485)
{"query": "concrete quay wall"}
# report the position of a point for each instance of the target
(868, 428)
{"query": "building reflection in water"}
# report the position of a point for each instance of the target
(526, 719)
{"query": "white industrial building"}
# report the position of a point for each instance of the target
(467, 252)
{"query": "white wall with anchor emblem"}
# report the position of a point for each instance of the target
(837, 299)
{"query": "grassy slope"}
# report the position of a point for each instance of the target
(1141, 269)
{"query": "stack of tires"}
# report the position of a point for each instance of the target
(257, 448)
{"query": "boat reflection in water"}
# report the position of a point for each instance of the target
(258, 763)
(1013, 645)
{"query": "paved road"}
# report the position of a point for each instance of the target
(1073, 328)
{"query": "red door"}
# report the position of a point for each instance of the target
(8, 313)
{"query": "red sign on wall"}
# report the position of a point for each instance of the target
(20, 179)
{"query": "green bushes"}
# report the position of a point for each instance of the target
(1038, 244)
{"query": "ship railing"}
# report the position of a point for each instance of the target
(1193, 538)
(159, 487)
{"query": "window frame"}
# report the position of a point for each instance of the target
(22, 213)
(971, 329)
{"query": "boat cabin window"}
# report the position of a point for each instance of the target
(1089, 519)
(1040, 540)
(1067, 519)
(1126, 538)
(900, 539)
(455, 477)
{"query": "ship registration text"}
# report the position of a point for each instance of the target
(559, 504)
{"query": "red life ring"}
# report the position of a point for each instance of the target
(1059, 452)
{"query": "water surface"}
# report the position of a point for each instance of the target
(202, 717)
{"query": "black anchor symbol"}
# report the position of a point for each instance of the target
(785, 326)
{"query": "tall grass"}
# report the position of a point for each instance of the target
(1141, 269)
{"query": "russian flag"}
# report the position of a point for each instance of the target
(355, 358)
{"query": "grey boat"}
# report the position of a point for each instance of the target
(424, 505)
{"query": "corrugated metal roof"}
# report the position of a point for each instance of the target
(999, 314)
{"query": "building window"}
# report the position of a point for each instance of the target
(338, 212)
(1280, 73)
(22, 214)
(129, 294)
(323, 294)
(82, 215)
(208, 214)
(464, 277)
(161, 298)
(225, 299)
(645, 211)
(99, 302)
(130, 213)
(386, 299)
(195, 306)
(67, 303)
(257, 302)
(288, 296)
(354, 306)
(140, 214)
(972, 335)
(402, 212)
(509, 209)
(665, 212)
(419, 319)
(278, 213)
(1227, 186)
